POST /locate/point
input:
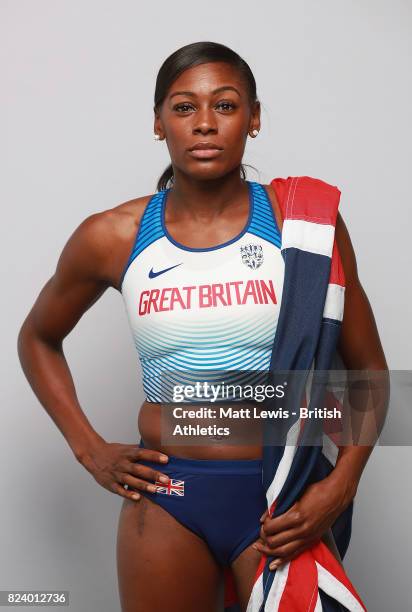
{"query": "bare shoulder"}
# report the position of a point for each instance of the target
(122, 221)
(99, 247)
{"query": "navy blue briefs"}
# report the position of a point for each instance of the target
(219, 500)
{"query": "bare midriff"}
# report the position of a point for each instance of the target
(245, 436)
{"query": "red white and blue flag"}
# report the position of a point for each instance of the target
(308, 329)
(173, 487)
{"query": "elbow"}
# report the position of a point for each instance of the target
(23, 338)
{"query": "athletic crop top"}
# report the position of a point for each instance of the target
(203, 314)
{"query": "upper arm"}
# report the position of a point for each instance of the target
(359, 344)
(78, 281)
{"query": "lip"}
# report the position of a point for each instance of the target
(204, 145)
(204, 153)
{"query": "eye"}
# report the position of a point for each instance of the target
(178, 106)
(184, 105)
(230, 104)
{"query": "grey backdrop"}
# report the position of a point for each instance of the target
(334, 79)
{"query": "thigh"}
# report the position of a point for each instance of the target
(244, 569)
(161, 564)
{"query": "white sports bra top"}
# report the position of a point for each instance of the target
(203, 314)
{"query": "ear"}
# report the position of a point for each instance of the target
(255, 117)
(158, 126)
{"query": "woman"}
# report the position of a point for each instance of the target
(157, 250)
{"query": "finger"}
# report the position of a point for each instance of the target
(264, 515)
(281, 562)
(147, 473)
(281, 539)
(290, 519)
(136, 483)
(120, 490)
(280, 551)
(146, 454)
(262, 548)
(262, 535)
(293, 548)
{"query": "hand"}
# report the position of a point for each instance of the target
(304, 524)
(113, 465)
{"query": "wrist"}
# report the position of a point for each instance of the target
(84, 446)
(344, 485)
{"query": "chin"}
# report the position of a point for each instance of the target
(206, 171)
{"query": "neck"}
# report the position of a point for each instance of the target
(206, 199)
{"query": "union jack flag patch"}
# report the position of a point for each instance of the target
(173, 487)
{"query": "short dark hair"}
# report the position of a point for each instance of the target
(195, 54)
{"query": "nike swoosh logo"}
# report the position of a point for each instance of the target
(154, 274)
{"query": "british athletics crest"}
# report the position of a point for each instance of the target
(252, 255)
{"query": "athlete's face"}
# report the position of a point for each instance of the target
(207, 103)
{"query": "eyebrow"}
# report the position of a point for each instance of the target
(215, 91)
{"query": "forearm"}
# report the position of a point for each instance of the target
(368, 398)
(48, 374)
(348, 470)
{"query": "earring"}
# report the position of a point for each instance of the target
(255, 132)
(156, 137)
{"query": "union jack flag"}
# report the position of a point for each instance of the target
(173, 487)
(308, 329)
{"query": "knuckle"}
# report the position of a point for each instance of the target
(139, 484)
(306, 528)
(142, 485)
(118, 476)
(155, 476)
(271, 540)
(137, 469)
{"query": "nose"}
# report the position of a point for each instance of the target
(205, 121)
